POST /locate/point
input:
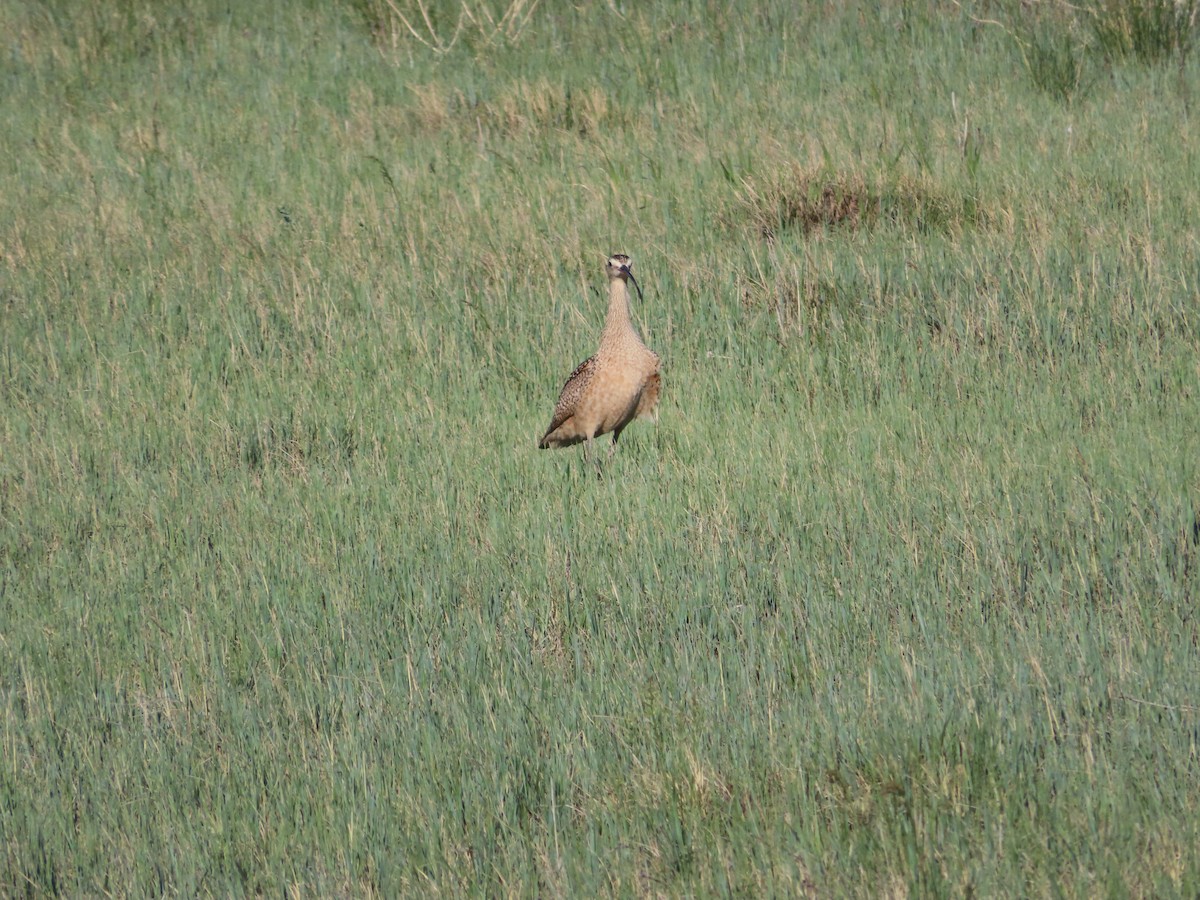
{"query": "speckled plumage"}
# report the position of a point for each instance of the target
(619, 383)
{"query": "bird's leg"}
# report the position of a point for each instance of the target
(590, 458)
(612, 449)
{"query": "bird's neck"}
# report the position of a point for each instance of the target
(618, 322)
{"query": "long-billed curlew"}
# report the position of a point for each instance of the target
(617, 385)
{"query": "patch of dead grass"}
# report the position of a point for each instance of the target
(812, 200)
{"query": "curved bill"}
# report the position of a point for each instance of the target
(635, 282)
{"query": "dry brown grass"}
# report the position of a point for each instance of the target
(812, 199)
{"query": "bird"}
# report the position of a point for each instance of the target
(619, 383)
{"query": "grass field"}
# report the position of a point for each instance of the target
(898, 598)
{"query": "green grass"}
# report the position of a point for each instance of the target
(898, 598)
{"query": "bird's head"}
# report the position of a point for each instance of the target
(620, 266)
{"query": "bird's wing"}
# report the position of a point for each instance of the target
(648, 403)
(568, 400)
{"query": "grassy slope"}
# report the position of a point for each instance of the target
(898, 596)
